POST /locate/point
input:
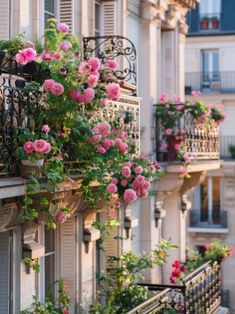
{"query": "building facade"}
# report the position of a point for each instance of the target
(157, 29)
(209, 68)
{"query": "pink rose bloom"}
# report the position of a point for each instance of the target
(111, 64)
(46, 56)
(139, 179)
(46, 128)
(101, 150)
(112, 213)
(65, 46)
(59, 134)
(113, 91)
(73, 94)
(111, 188)
(47, 85)
(117, 204)
(146, 185)
(138, 170)
(186, 158)
(123, 147)
(84, 69)
(29, 147)
(177, 147)
(92, 80)
(47, 148)
(103, 102)
(80, 98)
(124, 183)
(195, 93)
(164, 145)
(57, 56)
(89, 94)
(143, 193)
(114, 180)
(128, 164)
(94, 139)
(129, 195)
(162, 98)
(126, 172)
(168, 131)
(57, 89)
(107, 143)
(41, 146)
(27, 55)
(62, 28)
(207, 246)
(94, 63)
(61, 217)
(104, 128)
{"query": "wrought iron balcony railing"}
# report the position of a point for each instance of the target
(21, 107)
(210, 82)
(117, 48)
(208, 219)
(198, 144)
(199, 293)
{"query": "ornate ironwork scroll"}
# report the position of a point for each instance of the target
(117, 48)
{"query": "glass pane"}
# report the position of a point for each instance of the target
(204, 7)
(97, 17)
(215, 57)
(50, 6)
(49, 241)
(205, 62)
(49, 275)
(204, 200)
(216, 193)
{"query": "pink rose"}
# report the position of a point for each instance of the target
(65, 46)
(46, 128)
(107, 143)
(168, 131)
(113, 91)
(27, 55)
(114, 180)
(101, 150)
(57, 89)
(177, 147)
(94, 63)
(126, 172)
(112, 213)
(92, 80)
(138, 170)
(57, 56)
(103, 128)
(124, 183)
(61, 217)
(89, 94)
(62, 28)
(111, 188)
(47, 85)
(111, 64)
(46, 56)
(164, 145)
(42, 146)
(103, 102)
(129, 195)
(123, 147)
(127, 163)
(162, 98)
(186, 158)
(94, 139)
(139, 179)
(47, 148)
(29, 147)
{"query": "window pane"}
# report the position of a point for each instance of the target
(49, 275)
(50, 6)
(204, 200)
(49, 241)
(216, 193)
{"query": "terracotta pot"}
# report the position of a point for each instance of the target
(172, 153)
(29, 167)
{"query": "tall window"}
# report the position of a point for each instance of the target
(49, 10)
(97, 18)
(210, 69)
(49, 262)
(210, 11)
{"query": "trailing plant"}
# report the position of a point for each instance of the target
(30, 263)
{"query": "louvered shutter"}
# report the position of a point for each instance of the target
(68, 257)
(109, 18)
(4, 19)
(111, 246)
(4, 272)
(66, 13)
(168, 65)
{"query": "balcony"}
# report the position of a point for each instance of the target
(214, 221)
(226, 144)
(210, 82)
(201, 145)
(200, 292)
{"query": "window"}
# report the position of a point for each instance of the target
(210, 70)
(210, 14)
(49, 10)
(97, 18)
(49, 262)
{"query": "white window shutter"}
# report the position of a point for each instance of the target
(68, 256)
(4, 19)
(111, 246)
(168, 65)
(109, 18)
(4, 272)
(66, 13)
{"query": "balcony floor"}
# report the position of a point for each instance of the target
(194, 166)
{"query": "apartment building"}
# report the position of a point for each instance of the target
(209, 68)
(157, 31)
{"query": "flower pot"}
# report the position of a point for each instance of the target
(204, 24)
(29, 168)
(215, 23)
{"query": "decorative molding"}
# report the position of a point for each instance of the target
(8, 213)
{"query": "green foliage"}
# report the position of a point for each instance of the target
(12, 45)
(30, 263)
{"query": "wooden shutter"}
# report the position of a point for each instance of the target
(4, 19)
(111, 246)
(68, 257)
(109, 18)
(168, 65)
(4, 272)
(66, 13)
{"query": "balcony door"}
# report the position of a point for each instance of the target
(210, 70)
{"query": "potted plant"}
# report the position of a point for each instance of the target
(204, 23)
(215, 22)
(232, 150)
